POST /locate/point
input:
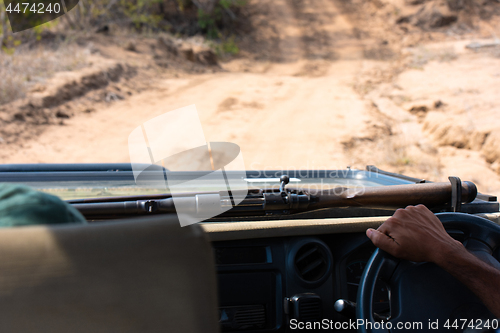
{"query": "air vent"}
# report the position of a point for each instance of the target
(250, 318)
(306, 307)
(312, 262)
(241, 318)
(310, 309)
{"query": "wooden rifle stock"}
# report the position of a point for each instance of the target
(397, 196)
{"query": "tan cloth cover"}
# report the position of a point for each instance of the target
(147, 275)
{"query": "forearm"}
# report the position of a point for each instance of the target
(475, 274)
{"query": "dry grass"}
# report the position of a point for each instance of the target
(410, 159)
(24, 69)
(422, 55)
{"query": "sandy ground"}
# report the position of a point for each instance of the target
(324, 96)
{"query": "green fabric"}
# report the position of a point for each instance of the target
(20, 205)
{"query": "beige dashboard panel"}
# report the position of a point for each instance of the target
(222, 231)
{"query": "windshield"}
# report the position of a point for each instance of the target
(94, 184)
(254, 88)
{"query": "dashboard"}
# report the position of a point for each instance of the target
(270, 270)
(265, 283)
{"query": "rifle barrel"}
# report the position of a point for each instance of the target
(397, 196)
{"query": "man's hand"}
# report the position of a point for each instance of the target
(414, 234)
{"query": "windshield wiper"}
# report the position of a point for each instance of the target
(284, 201)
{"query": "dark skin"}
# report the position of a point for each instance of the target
(416, 234)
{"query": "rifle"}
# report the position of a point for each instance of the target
(285, 201)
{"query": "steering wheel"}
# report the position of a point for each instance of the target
(424, 292)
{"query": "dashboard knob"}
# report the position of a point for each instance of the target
(348, 309)
(345, 308)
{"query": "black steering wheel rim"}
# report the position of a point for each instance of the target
(481, 236)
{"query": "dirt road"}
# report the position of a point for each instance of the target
(289, 115)
(300, 107)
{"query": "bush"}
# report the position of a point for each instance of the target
(189, 17)
(220, 19)
(216, 19)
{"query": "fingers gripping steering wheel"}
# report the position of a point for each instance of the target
(424, 292)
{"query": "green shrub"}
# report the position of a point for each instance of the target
(226, 46)
(183, 17)
(221, 16)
